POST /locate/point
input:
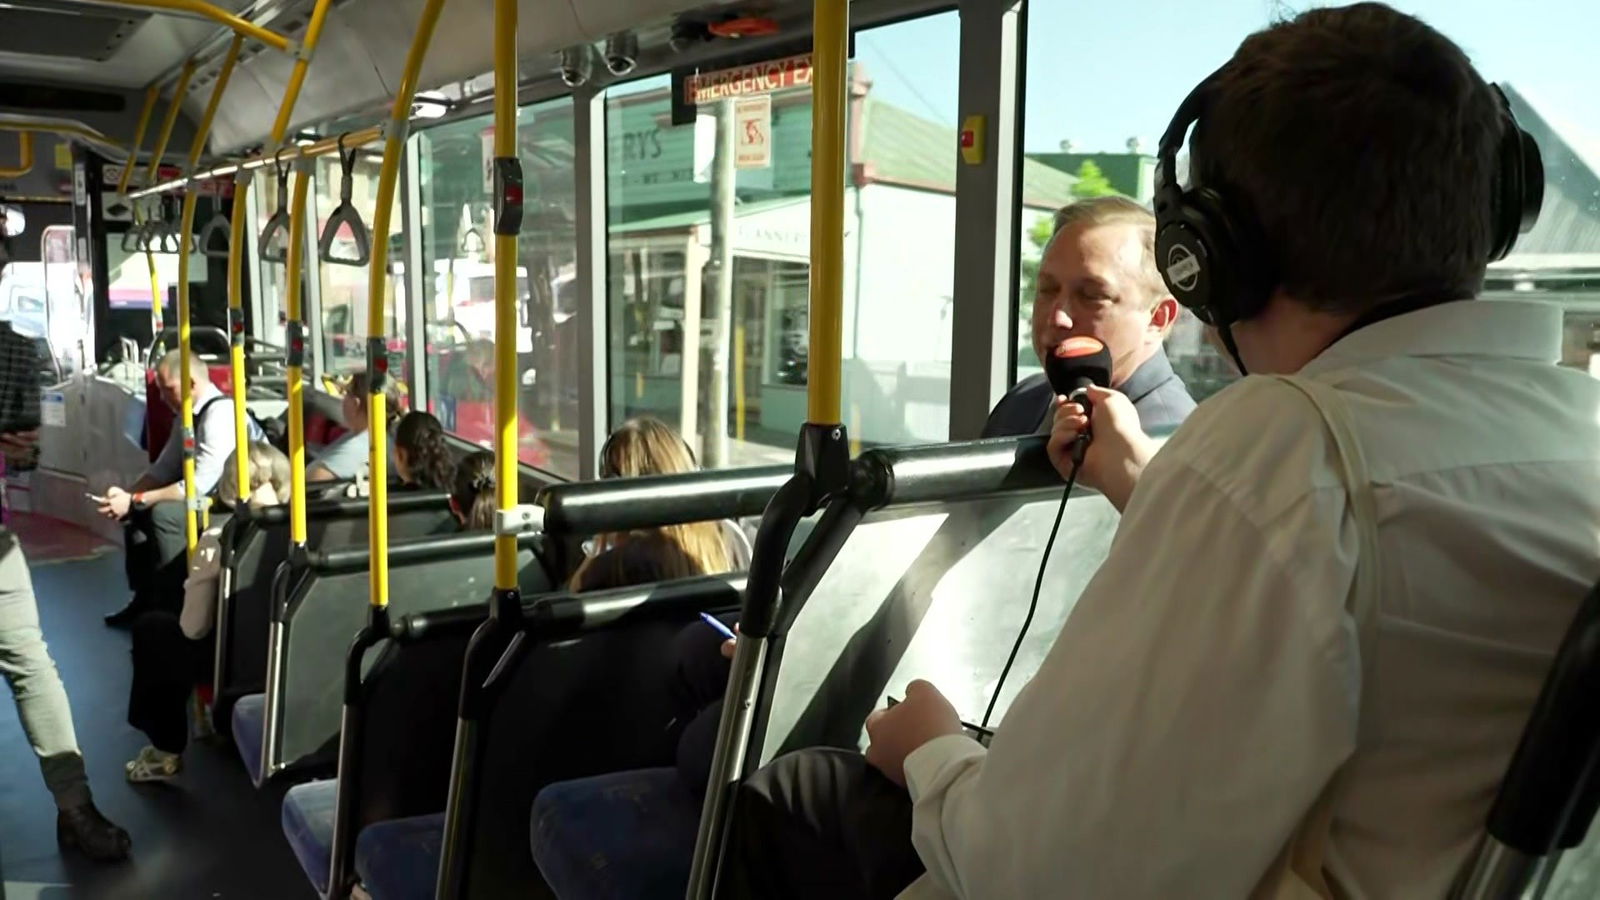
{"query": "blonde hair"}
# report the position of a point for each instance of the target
(198, 370)
(646, 446)
(268, 465)
(1117, 210)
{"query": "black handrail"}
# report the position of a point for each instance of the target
(583, 508)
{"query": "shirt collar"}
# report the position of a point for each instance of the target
(1511, 329)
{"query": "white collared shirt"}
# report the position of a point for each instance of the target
(1207, 685)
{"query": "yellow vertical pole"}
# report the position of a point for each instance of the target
(155, 281)
(506, 228)
(178, 93)
(377, 287)
(293, 306)
(828, 62)
(185, 229)
(296, 374)
(151, 94)
(738, 382)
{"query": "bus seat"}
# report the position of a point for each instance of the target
(622, 836)
(1548, 798)
(249, 721)
(308, 826)
(399, 859)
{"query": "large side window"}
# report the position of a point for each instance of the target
(1093, 113)
(746, 343)
(458, 283)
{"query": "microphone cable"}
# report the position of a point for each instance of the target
(1081, 445)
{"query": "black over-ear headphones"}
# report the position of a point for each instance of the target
(1211, 251)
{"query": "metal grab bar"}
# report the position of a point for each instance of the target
(345, 214)
(279, 221)
(301, 151)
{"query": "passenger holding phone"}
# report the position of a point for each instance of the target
(152, 508)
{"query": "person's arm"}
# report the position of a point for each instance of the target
(1119, 451)
(1200, 696)
(319, 472)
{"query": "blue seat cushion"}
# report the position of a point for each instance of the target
(624, 835)
(249, 723)
(308, 811)
(399, 859)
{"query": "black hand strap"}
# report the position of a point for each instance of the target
(343, 215)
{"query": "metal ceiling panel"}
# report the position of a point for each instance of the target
(88, 34)
(364, 46)
(150, 49)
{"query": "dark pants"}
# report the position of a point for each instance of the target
(157, 559)
(699, 681)
(166, 667)
(820, 823)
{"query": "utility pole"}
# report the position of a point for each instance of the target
(718, 279)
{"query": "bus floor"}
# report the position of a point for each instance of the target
(207, 834)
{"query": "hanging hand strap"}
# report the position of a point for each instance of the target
(345, 214)
(270, 245)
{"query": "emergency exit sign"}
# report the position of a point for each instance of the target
(748, 81)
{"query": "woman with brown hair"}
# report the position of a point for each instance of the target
(646, 446)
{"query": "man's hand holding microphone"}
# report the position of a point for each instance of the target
(1096, 428)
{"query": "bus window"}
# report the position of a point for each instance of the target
(1104, 139)
(458, 288)
(898, 243)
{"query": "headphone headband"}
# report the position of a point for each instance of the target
(1212, 251)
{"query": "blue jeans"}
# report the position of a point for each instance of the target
(35, 684)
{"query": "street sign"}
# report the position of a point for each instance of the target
(752, 132)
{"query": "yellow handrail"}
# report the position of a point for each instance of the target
(220, 16)
(297, 390)
(828, 61)
(63, 129)
(297, 447)
(505, 290)
(151, 94)
(155, 281)
(325, 147)
(185, 230)
(25, 153)
(377, 285)
(178, 93)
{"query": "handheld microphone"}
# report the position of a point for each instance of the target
(1075, 364)
(1072, 366)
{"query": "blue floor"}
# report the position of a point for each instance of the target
(207, 835)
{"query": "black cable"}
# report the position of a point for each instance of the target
(1038, 583)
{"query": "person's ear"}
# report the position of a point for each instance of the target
(455, 508)
(1162, 315)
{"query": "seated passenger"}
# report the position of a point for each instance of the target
(1335, 593)
(171, 654)
(646, 446)
(472, 492)
(638, 557)
(152, 508)
(347, 456)
(1098, 278)
(421, 457)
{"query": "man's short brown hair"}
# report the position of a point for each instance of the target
(1364, 144)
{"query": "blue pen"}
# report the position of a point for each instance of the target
(716, 623)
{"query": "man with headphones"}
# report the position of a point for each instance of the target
(1334, 594)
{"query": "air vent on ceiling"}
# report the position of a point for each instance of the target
(38, 29)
